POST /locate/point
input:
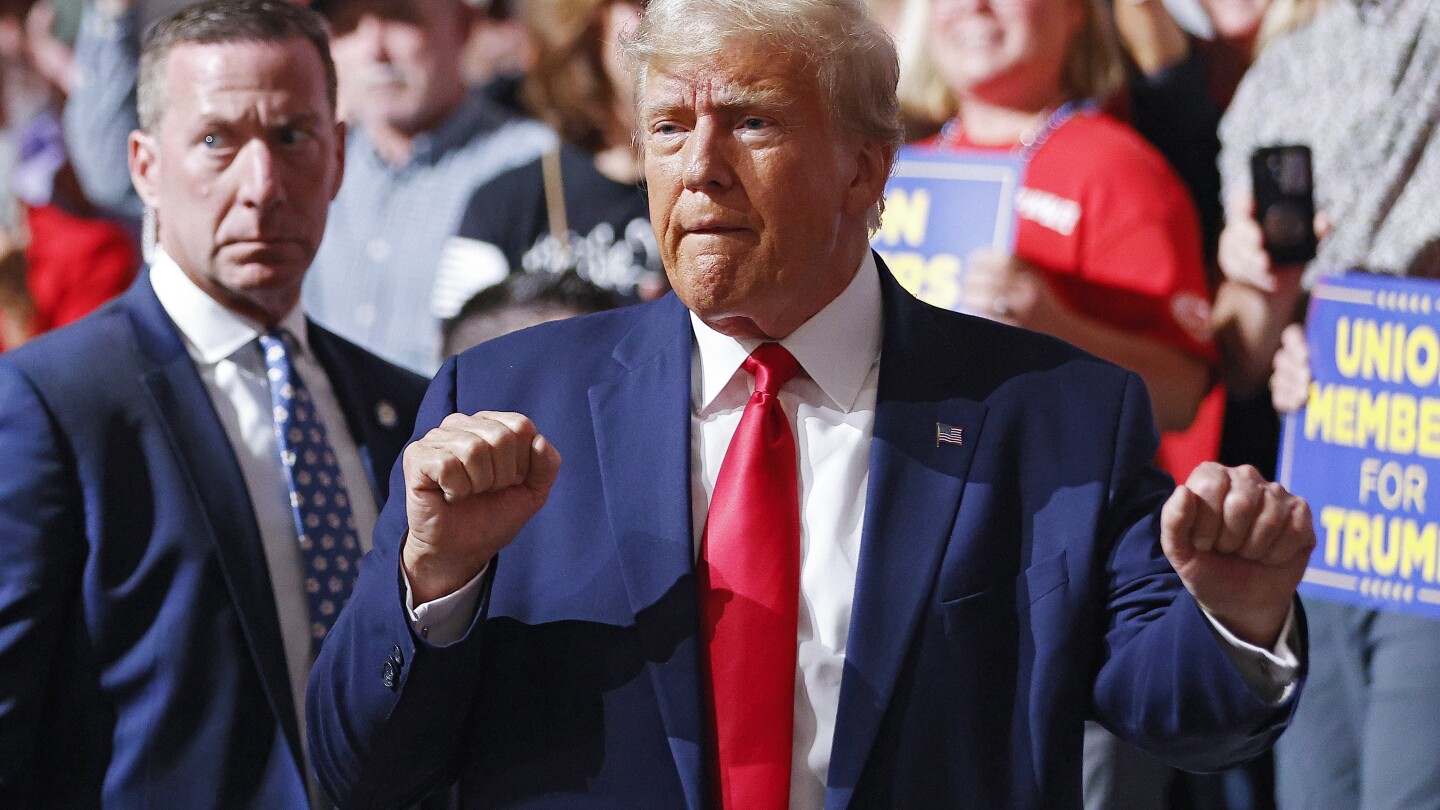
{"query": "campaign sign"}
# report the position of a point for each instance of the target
(940, 206)
(1367, 443)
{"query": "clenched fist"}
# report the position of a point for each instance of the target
(471, 484)
(1240, 544)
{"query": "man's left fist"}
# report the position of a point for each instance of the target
(1240, 544)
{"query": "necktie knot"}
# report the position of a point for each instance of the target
(273, 344)
(772, 365)
(273, 335)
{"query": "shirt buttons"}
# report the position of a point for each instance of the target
(365, 314)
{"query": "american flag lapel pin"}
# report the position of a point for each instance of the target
(948, 434)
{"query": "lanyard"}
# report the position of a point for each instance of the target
(1031, 143)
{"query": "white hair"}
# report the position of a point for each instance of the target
(848, 49)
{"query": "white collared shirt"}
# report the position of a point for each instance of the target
(830, 405)
(227, 356)
(831, 408)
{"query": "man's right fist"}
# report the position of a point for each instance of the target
(471, 484)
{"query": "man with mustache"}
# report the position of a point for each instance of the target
(421, 144)
(189, 475)
(812, 543)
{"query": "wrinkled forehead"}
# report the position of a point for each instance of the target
(282, 78)
(739, 72)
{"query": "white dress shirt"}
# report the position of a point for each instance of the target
(227, 355)
(830, 405)
(831, 408)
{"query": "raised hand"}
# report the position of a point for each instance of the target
(471, 485)
(1290, 384)
(1240, 544)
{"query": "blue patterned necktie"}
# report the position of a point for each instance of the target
(320, 504)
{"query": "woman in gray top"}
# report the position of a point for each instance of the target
(1359, 85)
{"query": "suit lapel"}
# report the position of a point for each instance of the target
(642, 433)
(217, 485)
(361, 405)
(916, 482)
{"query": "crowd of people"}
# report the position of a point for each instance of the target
(254, 229)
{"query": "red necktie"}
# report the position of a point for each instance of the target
(750, 595)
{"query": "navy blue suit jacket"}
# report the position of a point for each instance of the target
(141, 663)
(1008, 587)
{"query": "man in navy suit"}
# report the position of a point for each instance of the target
(169, 560)
(958, 526)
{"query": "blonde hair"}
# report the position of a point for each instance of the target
(1093, 70)
(567, 88)
(850, 52)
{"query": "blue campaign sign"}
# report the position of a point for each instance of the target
(940, 206)
(1367, 443)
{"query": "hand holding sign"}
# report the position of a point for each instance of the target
(939, 206)
(1007, 288)
(1240, 544)
(1290, 384)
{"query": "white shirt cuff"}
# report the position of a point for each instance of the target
(1271, 673)
(444, 621)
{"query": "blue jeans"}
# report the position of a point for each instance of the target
(1366, 733)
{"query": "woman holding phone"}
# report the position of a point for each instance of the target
(1357, 86)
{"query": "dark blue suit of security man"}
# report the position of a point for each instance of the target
(141, 662)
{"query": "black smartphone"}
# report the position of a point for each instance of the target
(1285, 202)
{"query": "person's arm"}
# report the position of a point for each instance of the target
(99, 263)
(17, 305)
(1150, 35)
(1010, 289)
(1134, 291)
(387, 708)
(1248, 325)
(1256, 301)
(1177, 381)
(1290, 385)
(41, 559)
(1167, 683)
(100, 113)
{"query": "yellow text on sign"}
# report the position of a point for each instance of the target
(1397, 487)
(906, 218)
(1390, 421)
(934, 279)
(1358, 541)
(1390, 352)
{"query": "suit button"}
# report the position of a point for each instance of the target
(390, 675)
(396, 657)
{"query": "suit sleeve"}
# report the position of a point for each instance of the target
(41, 557)
(1166, 684)
(386, 710)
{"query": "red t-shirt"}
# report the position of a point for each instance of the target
(74, 264)
(1114, 230)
